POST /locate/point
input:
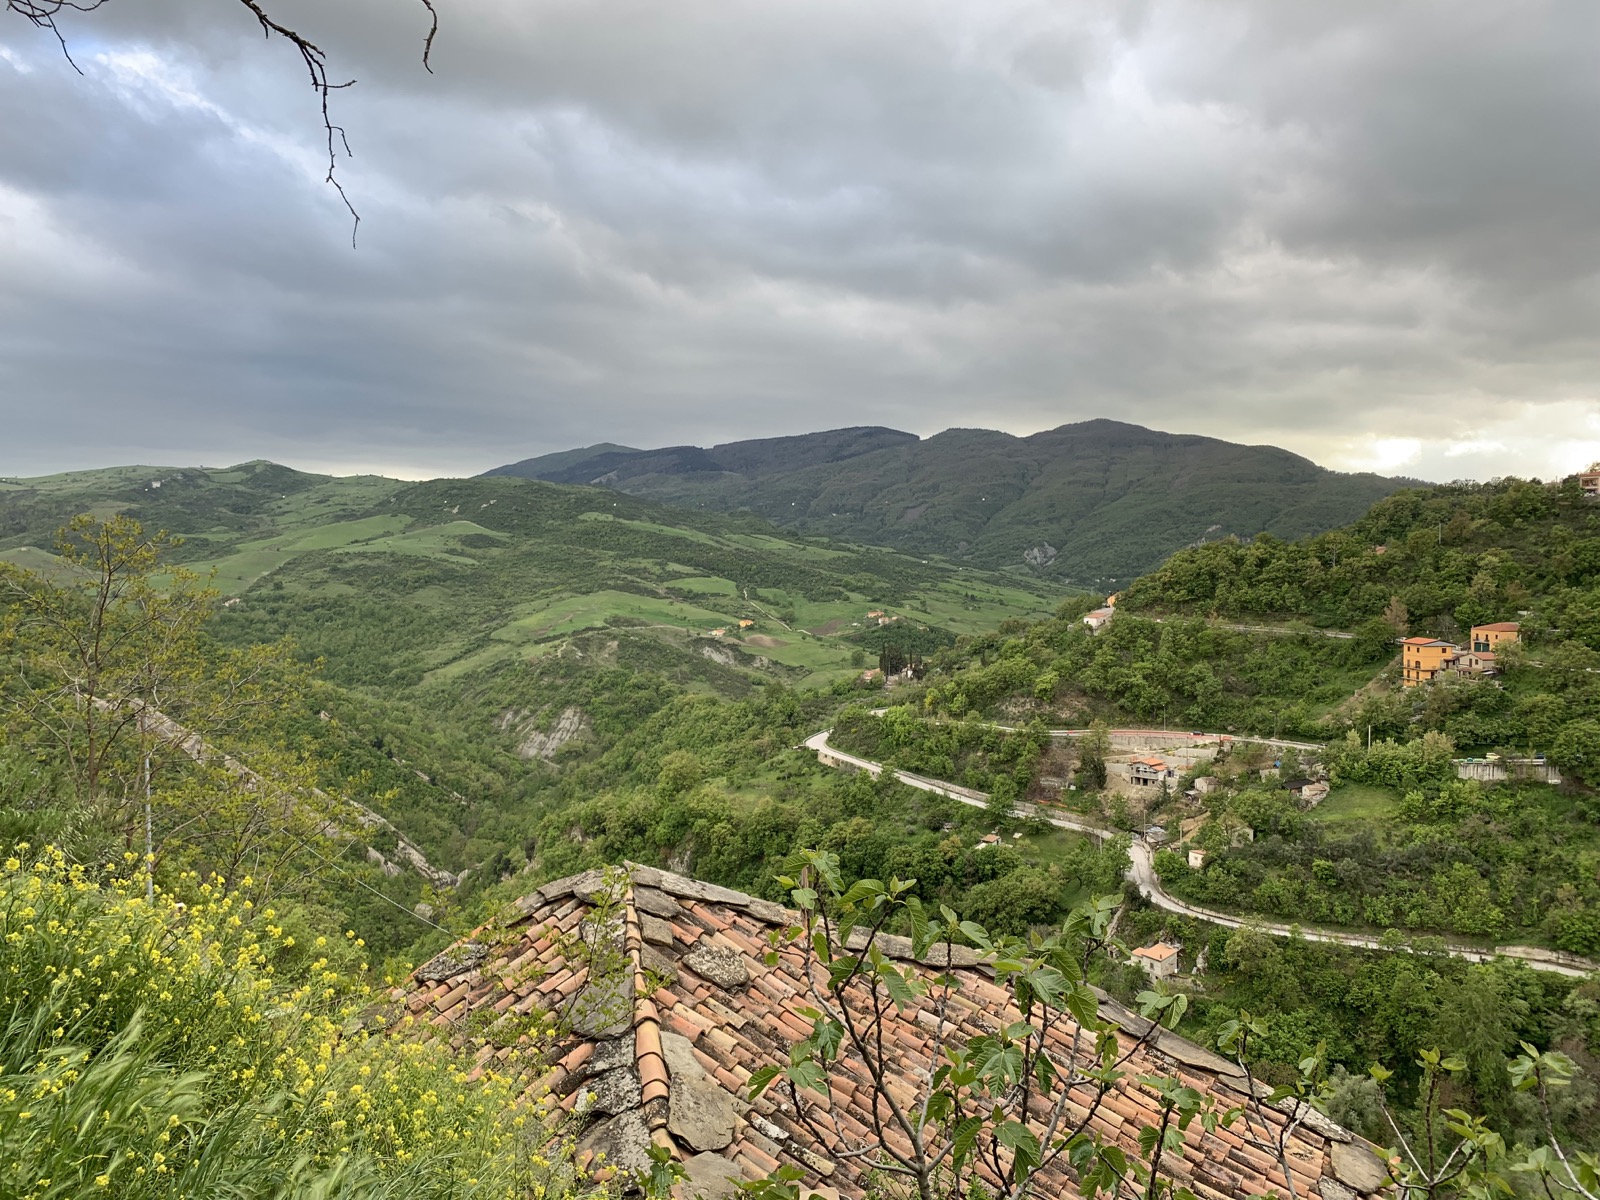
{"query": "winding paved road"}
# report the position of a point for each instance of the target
(1141, 866)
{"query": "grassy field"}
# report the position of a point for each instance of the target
(1355, 804)
(572, 613)
(443, 578)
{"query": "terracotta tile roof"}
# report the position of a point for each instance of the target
(1159, 952)
(662, 1047)
(1499, 627)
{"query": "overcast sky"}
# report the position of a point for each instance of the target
(1368, 232)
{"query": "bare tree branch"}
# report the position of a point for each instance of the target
(43, 13)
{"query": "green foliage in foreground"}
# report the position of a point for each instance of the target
(1468, 1121)
(198, 1047)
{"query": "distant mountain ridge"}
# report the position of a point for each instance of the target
(1092, 501)
(606, 463)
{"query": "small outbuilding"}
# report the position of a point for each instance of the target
(1159, 961)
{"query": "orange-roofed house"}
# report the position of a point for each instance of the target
(1588, 480)
(746, 623)
(1159, 961)
(1423, 660)
(1487, 639)
(1098, 617)
(1145, 772)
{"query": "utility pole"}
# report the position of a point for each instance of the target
(149, 837)
(149, 821)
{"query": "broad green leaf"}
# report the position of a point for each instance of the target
(761, 1080)
(966, 1136)
(1019, 1139)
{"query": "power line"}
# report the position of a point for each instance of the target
(387, 899)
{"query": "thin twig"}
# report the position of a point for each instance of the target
(43, 13)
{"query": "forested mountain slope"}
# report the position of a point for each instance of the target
(1454, 556)
(1091, 501)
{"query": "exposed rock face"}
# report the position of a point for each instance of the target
(1040, 556)
(533, 742)
(722, 965)
(718, 655)
(457, 960)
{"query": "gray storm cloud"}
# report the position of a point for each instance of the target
(1366, 232)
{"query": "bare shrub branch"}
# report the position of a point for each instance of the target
(44, 14)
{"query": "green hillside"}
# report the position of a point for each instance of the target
(521, 677)
(1090, 502)
(1235, 635)
(1454, 555)
(396, 582)
(490, 650)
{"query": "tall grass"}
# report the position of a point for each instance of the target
(192, 1048)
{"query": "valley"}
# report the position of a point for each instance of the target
(527, 680)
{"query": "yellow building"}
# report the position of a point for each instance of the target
(1424, 659)
(1487, 639)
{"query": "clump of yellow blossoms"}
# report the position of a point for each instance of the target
(168, 1049)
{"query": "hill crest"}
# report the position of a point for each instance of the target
(1083, 502)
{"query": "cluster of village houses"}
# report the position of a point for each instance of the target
(1422, 659)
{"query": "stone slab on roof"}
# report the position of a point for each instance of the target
(691, 1007)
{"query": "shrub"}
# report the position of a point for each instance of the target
(194, 1047)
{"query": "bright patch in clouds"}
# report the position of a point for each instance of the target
(1385, 455)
